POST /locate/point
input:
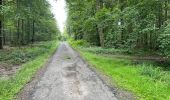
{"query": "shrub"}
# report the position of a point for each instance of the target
(79, 43)
(165, 45)
(165, 41)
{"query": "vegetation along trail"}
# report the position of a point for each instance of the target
(68, 77)
(124, 47)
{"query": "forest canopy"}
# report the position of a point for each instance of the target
(128, 24)
(26, 21)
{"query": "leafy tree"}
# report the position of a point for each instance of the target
(26, 21)
(129, 24)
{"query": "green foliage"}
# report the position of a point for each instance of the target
(123, 24)
(9, 88)
(78, 43)
(17, 56)
(165, 41)
(99, 50)
(27, 21)
(148, 82)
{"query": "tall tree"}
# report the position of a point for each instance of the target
(99, 6)
(1, 38)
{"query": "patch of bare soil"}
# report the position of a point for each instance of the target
(6, 73)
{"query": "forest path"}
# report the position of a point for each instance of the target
(67, 77)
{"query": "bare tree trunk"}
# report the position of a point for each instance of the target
(101, 35)
(10, 35)
(18, 23)
(28, 31)
(18, 32)
(121, 4)
(160, 15)
(166, 10)
(1, 38)
(100, 29)
(22, 34)
(33, 31)
(4, 36)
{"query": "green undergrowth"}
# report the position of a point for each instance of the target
(9, 88)
(147, 81)
(99, 50)
(12, 56)
(85, 46)
(78, 43)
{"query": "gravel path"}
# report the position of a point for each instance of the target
(67, 77)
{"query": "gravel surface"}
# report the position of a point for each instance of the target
(67, 77)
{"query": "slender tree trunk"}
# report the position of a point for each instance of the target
(10, 35)
(33, 31)
(100, 29)
(121, 4)
(4, 36)
(166, 10)
(160, 15)
(28, 31)
(18, 32)
(22, 34)
(1, 38)
(18, 22)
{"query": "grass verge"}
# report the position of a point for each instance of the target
(9, 88)
(147, 81)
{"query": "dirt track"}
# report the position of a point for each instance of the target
(67, 77)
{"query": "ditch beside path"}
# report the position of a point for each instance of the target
(67, 77)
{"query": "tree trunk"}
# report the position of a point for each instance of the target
(22, 33)
(4, 36)
(1, 38)
(100, 29)
(160, 15)
(10, 35)
(166, 10)
(121, 4)
(33, 31)
(18, 32)
(28, 31)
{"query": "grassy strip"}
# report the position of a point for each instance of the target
(9, 88)
(146, 81)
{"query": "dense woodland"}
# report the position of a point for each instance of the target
(128, 24)
(25, 21)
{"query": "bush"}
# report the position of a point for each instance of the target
(165, 45)
(165, 41)
(79, 43)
